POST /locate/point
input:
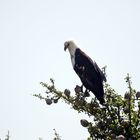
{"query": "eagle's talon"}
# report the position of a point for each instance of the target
(86, 93)
(82, 88)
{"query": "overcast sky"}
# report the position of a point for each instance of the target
(32, 34)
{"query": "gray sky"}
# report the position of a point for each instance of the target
(32, 34)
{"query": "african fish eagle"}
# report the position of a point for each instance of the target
(88, 71)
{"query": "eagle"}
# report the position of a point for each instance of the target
(88, 71)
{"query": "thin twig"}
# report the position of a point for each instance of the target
(130, 89)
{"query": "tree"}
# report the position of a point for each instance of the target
(118, 119)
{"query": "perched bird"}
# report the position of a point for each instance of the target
(88, 71)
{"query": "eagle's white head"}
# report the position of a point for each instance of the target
(71, 46)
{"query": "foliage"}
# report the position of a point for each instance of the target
(7, 137)
(118, 119)
(57, 137)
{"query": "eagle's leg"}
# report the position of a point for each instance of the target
(82, 88)
(86, 93)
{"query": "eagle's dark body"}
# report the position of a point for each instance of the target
(90, 74)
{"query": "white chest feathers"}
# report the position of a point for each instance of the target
(72, 49)
(73, 60)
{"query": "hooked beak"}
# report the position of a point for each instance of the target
(66, 44)
(65, 48)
